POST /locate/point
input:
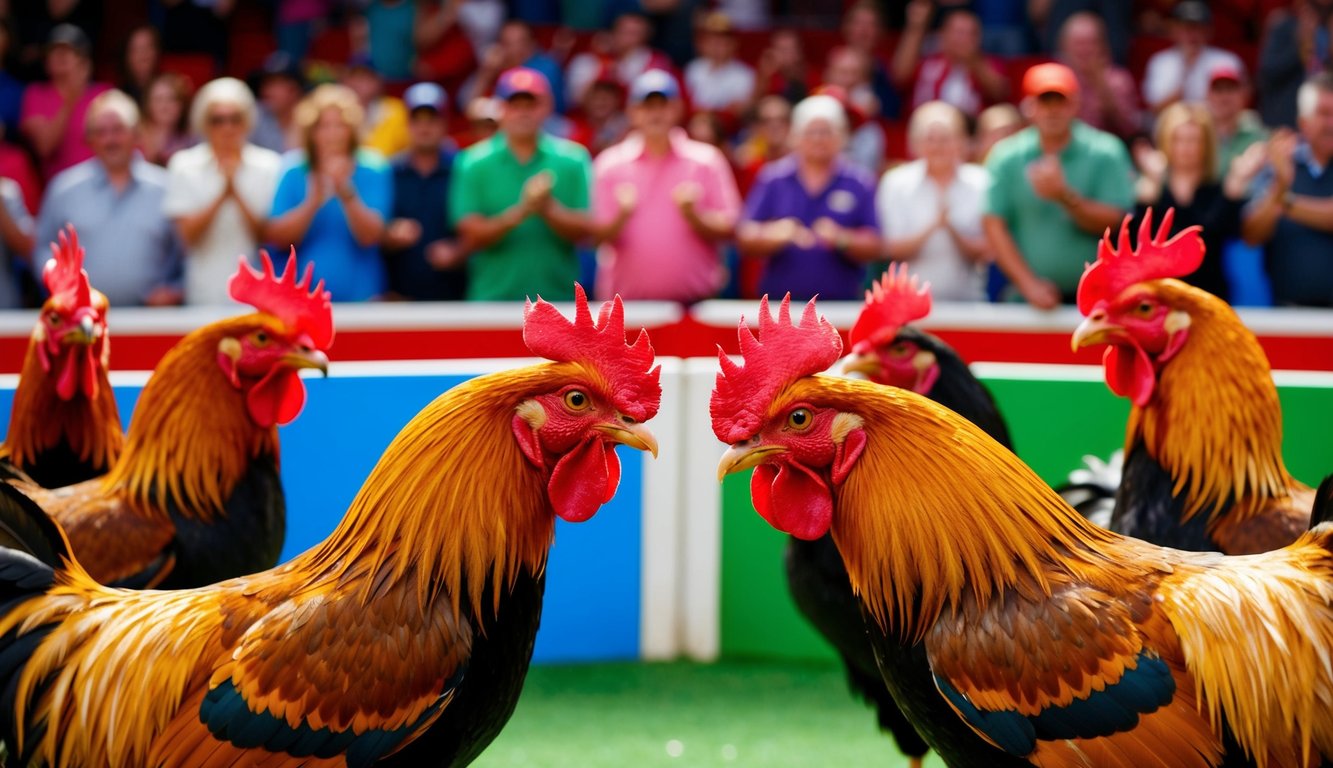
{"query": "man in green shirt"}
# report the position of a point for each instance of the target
(520, 199)
(1237, 127)
(1054, 188)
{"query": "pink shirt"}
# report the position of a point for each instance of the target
(43, 100)
(657, 255)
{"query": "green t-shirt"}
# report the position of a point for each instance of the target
(531, 259)
(1248, 131)
(1096, 166)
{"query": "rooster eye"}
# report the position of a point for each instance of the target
(900, 349)
(260, 338)
(800, 419)
(53, 318)
(577, 400)
(1144, 308)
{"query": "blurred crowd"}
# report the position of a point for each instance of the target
(672, 150)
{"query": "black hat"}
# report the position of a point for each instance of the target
(1192, 12)
(281, 64)
(72, 36)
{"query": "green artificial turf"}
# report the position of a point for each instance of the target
(730, 714)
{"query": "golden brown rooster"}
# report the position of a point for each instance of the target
(1203, 447)
(407, 631)
(64, 427)
(1009, 628)
(195, 497)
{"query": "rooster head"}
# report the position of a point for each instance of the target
(261, 354)
(801, 449)
(71, 336)
(1132, 306)
(884, 350)
(598, 395)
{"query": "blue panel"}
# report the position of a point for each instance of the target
(593, 580)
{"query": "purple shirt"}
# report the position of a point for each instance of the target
(657, 254)
(849, 200)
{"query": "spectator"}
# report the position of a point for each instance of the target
(422, 254)
(746, 14)
(219, 191)
(1048, 16)
(782, 70)
(35, 21)
(662, 204)
(930, 208)
(627, 54)
(140, 62)
(994, 123)
(1054, 188)
(1291, 210)
(163, 130)
(516, 47)
(811, 216)
(1297, 46)
(849, 70)
(333, 201)
(1237, 127)
(15, 164)
(280, 88)
(481, 21)
(862, 29)
(766, 140)
(1182, 174)
(296, 24)
(115, 201)
(520, 200)
(959, 73)
(385, 127)
(16, 243)
(1181, 71)
(444, 52)
(717, 80)
(706, 127)
(483, 120)
(865, 147)
(1111, 99)
(601, 122)
(53, 113)
(11, 87)
(384, 37)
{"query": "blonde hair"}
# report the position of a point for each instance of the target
(934, 113)
(115, 101)
(1179, 114)
(329, 95)
(224, 90)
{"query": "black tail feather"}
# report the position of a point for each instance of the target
(25, 527)
(1323, 503)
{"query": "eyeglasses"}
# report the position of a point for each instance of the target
(218, 119)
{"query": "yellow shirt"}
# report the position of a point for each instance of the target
(386, 126)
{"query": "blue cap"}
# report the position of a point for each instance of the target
(654, 81)
(425, 96)
(518, 80)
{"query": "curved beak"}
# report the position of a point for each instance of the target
(742, 456)
(866, 364)
(636, 435)
(1095, 329)
(84, 333)
(307, 358)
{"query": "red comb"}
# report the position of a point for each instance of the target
(64, 274)
(286, 299)
(634, 388)
(780, 354)
(892, 302)
(1155, 258)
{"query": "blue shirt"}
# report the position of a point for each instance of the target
(131, 246)
(849, 200)
(423, 199)
(1300, 258)
(547, 66)
(350, 271)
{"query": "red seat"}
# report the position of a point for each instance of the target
(197, 68)
(334, 45)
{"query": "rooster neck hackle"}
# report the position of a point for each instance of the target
(1215, 423)
(935, 509)
(482, 522)
(40, 419)
(191, 438)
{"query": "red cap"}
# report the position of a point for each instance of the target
(1050, 78)
(518, 80)
(1225, 72)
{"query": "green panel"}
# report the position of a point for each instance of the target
(1053, 423)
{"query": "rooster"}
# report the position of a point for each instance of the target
(887, 351)
(65, 427)
(195, 497)
(1203, 447)
(407, 632)
(1010, 629)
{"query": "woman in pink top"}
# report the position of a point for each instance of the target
(52, 114)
